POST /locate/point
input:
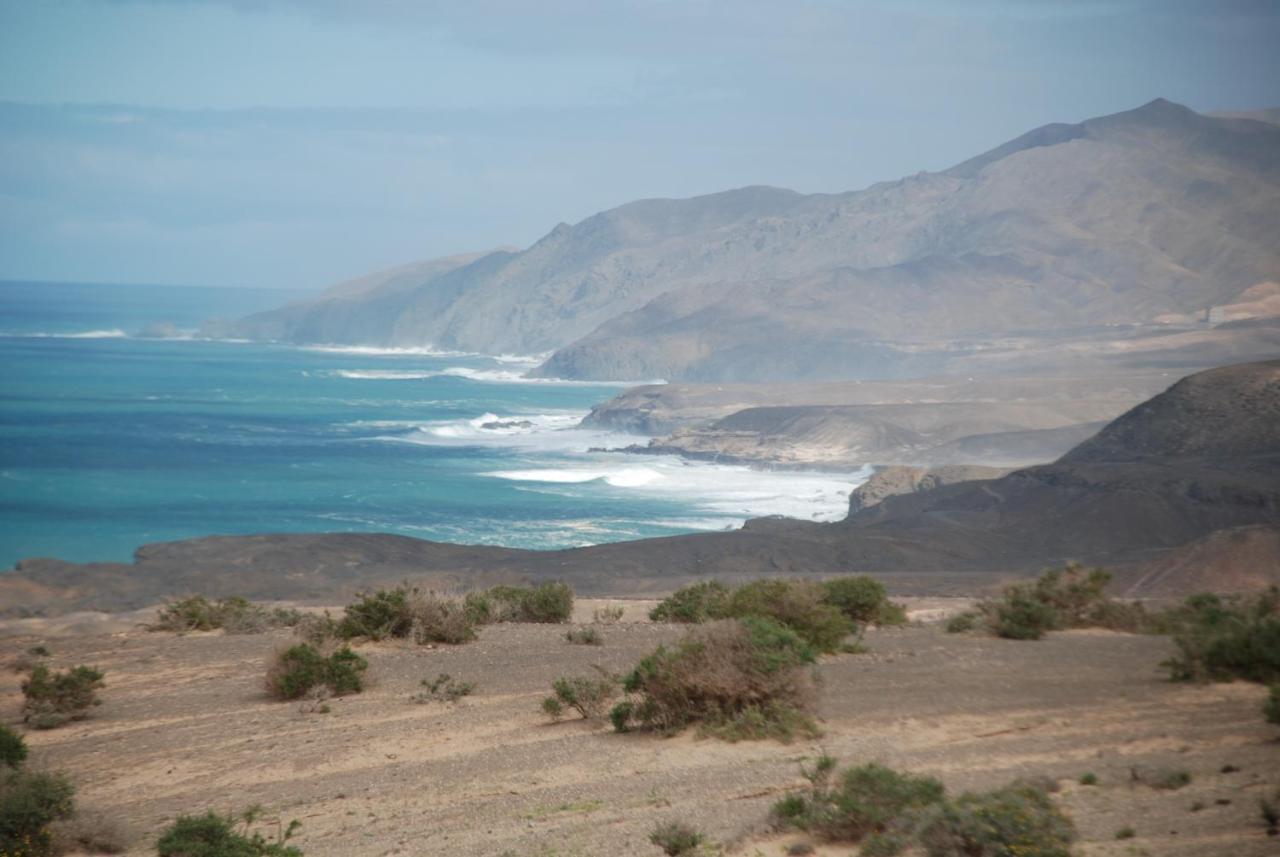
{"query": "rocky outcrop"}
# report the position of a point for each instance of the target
(898, 479)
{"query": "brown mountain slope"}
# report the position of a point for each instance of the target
(1154, 213)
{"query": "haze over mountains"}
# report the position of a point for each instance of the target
(1136, 223)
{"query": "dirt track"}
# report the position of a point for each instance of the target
(186, 727)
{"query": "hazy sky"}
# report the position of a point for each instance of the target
(261, 143)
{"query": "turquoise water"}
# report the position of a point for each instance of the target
(109, 441)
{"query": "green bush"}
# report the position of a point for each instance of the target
(584, 636)
(588, 695)
(298, 669)
(864, 801)
(13, 749)
(745, 678)
(213, 835)
(863, 600)
(55, 698)
(1271, 708)
(440, 620)
(1226, 638)
(962, 622)
(1016, 820)
(693, 604)
(378, 615)
(1020, 616)
(444, 688)
(29, 804)
(676, 839)
(798, 604)
(549, 603)
(235, 615)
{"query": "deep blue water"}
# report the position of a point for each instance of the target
(109, 441)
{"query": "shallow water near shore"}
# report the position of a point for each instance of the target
(109, 440)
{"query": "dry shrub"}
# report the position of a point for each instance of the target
(745, 678)
(588, 695)
(235, 615)
(294, 671)
(610, 615)
(543, 603)
(92, 832)
(439, 620)
(52, 699)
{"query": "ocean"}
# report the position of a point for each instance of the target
(110, 440)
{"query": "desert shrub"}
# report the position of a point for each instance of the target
(962, 622)
(798, 604)
(378, 615)
(1020, 616)
(1224, 638)
(745, 678)
(1164, 779)
(443, 688)
(298, 669)
(13, 749)
(55, 698)
(588, 695)
(29, 804)
(863, 600)
(584, 636)
(1271, 708)
(213, 835)
(439, 620)
(1016, 820)
(235, 615)
(316, 629)
(1269, 809)
(864, 801)
(1089, 779)
(90, 833)
(550, 603)
(608, 615)
(692, 604)
(676, 839)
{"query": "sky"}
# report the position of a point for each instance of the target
(297, 143)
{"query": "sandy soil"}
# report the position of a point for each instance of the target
(186, 727)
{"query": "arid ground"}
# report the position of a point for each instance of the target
(186, 727)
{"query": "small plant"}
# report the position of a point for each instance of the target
(797, 604)
(234, 615)
(439, 620)
(610, 615)
(676, 839)
(587, 695)
(962, 622)
(864, 601)
(13, 749)
(545, 603)
(213, 835)
(53, 699)
(863, 802)
(1019, 819)
(1089, 779)
(1271, 708)
(584, 636)
(318, 630)
(30, 803)
(745, 678)
(1221, 638)
(444, 688)
(1164, 779)
(38, 651)
(1126, 833)
(693, 604)
(296, 670)
(1269, 808)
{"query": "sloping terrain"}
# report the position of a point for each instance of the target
(1151, 215)
(186, 727)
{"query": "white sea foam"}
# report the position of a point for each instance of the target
(388, 351)
(111, 333)
(485, 376)
(721, 495)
